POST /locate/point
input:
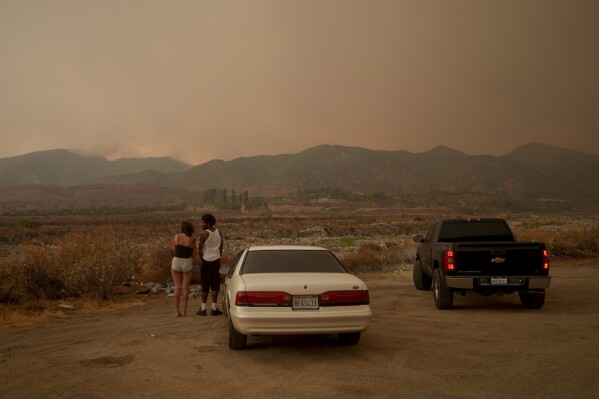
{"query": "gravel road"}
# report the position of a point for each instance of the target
(487, 347)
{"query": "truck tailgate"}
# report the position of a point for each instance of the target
(499, 259)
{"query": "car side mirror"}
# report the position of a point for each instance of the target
(224, 270)
(418, 238)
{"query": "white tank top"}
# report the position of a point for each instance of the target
(212, 246)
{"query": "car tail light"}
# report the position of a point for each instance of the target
(262, 298)
(545, 256)
(448, 261)
(344, 298)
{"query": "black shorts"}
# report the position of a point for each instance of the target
(210, 275)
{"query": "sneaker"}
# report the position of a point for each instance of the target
(215, 312)
(201, 312)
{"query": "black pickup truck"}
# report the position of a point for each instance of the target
(481, 255)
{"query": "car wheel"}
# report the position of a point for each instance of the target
(532, 299)
(349, 338)
(443, 295)
(237, 341)
(421, 280)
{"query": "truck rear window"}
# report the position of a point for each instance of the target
(461, 231)
(291, 261)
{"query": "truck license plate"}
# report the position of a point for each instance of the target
(498, 280)
(305, 302)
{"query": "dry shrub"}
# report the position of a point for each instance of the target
(365, 258)
(30, 275)
(92, 264)
(79, 264)
(157, 262)
(574, 242)
(372, 257)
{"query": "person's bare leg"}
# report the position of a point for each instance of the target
(177, 280)
(185, 287)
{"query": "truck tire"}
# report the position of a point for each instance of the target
(532, 299)
(237, 340)
(421, 280)
(443, 295)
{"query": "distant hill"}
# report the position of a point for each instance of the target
(529, 171)
(65, 168)
(561, 173)
(532, 171)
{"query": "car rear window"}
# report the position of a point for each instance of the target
(488, 230)
(291, 261)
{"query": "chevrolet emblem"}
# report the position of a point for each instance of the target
(497, 260)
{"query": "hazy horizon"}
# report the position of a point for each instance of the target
(203, 80)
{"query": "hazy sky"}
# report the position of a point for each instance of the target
(199, 80)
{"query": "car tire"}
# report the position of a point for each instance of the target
(421, 280)
(442, 294)
(532, 299)
(349, 338)
(237, 340)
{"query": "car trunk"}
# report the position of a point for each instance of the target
(302, 283)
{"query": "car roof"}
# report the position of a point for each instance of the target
(286, 248)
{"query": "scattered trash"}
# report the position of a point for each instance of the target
(144, 288)
(66, 306)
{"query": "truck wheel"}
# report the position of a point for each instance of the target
(237, 340)
(421, 280)
(532, 299)
(443, 295)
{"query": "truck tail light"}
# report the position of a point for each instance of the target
(262, 298)
(448, 261)
(344, 298)
(545, 256)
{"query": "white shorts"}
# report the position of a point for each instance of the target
(182, 265)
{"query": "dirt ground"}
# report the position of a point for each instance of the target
(487, 347)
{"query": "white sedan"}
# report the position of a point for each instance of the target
(286, 289)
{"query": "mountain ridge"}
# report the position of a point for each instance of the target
(531, 171)
(66, 168)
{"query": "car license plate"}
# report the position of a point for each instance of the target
(498, 280)
(305, 302)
